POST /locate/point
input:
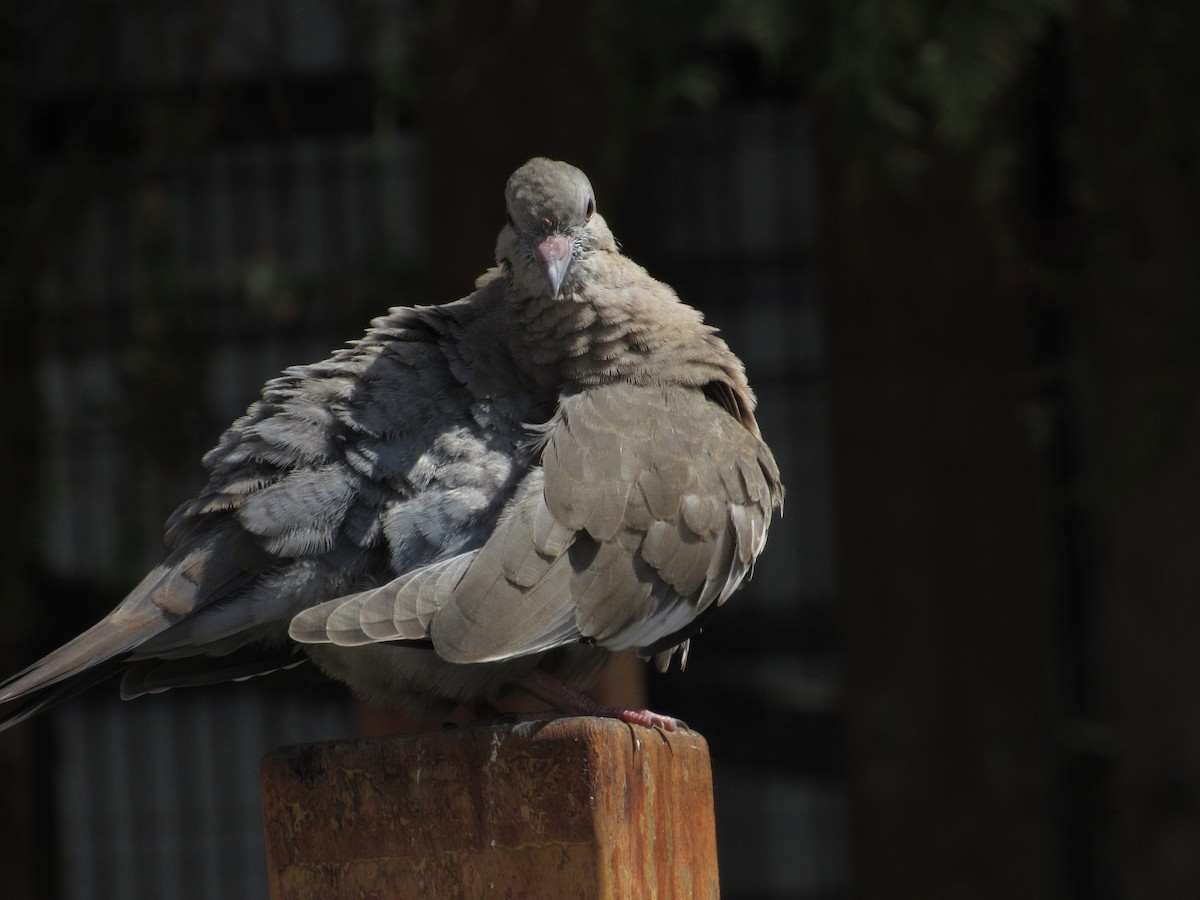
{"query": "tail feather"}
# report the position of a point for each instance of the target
(32, 701)
(104, 642)
(154, 676)
(207, 569)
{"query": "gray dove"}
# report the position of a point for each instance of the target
(500, 492)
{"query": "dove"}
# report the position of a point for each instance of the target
(498, 493)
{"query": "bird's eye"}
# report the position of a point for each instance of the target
(511, 221)
(590, 208)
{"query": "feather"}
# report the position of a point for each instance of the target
(559, 466)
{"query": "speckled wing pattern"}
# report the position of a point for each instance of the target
(650, 505)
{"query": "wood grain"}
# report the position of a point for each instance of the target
(582, 807)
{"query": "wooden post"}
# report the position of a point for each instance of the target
(581, 808)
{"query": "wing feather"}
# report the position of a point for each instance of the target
(649, 507)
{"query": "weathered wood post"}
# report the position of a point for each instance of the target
(579, 808)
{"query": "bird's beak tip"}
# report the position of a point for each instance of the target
(554, 257)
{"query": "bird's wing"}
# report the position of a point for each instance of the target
(344, 473)
(650, 507)
(347, 473)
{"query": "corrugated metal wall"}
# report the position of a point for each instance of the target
(160, 798)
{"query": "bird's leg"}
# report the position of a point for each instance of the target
(567, 700)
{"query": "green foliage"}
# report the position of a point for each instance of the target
(675, 54)
(907, 77)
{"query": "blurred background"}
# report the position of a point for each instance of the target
(958, 246)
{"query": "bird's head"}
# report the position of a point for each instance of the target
(551, 227)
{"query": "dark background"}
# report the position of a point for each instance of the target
(957, 244)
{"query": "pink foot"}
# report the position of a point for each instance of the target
(645, 718)
(570, 701)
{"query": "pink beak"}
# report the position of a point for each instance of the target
(554, 256)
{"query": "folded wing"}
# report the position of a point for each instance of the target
(649, 507)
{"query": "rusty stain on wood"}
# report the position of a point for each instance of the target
(583, 807)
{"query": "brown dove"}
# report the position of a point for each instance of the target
(500, 492)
